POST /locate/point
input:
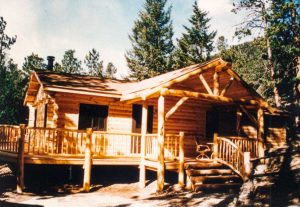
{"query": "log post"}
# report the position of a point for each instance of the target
(181, 160)
(247, 165)
(215, 147)
(160, 136)
(87, 161)
(20, 176)
(260, 132)
(143, 145)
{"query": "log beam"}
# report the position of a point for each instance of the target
(143, 145)
(216, 82)
(175, 107)
(161, 135)
(20, 175)
(208, 89)
(227, 86)
(204, 96)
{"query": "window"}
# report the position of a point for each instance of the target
(137, 118)
(93, 116)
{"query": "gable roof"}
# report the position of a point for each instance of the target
(73, 83)
(148, 87)
(127, 90)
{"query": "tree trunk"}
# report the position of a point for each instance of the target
(296, 72)
(271, 66)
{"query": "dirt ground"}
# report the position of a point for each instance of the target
(56, 188)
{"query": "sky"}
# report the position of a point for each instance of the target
(47, 27)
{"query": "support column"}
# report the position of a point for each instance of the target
(87, 161)
(181, 160)
(143, 145)
(160, 139)
(260, 132)
(20, 176)
(215, 147)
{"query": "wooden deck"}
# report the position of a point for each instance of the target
(52, 146)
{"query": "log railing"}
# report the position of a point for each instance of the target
(65, 142)
(9, 138)
(116, 144)
(246, 145)
(171, 146)
(151, 146)
(228, 153)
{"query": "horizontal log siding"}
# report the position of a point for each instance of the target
(189, 118)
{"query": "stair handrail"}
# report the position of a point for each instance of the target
(230, 155)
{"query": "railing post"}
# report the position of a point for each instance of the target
(247, 165)
(143, 146)
(181, 160)
(215, 147)
(20, 176)
(87, 161)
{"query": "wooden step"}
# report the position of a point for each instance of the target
(203, 165)
(192, 172)
(216, 186)
(215, 179)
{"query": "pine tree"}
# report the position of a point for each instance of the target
(111, 70)
(151, 40)
(33, 62)
(196, 44)
(70, 63)
(93, 63)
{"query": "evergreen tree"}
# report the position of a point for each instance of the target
(247, 62)
(70, 64)
(111, 70)
(196, 44)
(222, 44)
(57, 67)
(33, 62)
(5, 41)
(12, 84)
(151, 40)
(93, 63)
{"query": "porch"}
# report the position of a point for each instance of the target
(27, 145)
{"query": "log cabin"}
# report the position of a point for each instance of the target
(202, 121)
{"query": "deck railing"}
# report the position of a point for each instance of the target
(65, 142)
(171, 146)
(230, 153)
(9, 138)
(246, 145)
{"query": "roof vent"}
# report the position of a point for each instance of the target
(50, 62)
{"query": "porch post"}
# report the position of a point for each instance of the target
(215, 147)
(143, 145)
(20, 175)
(160, 139)
(181, 160)
(260, 132)
(87, 161)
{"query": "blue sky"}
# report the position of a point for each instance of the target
(52, 27)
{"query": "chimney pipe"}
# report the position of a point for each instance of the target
(50, 62)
